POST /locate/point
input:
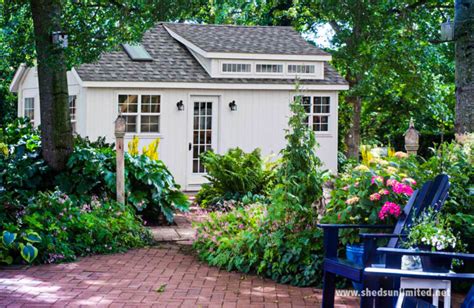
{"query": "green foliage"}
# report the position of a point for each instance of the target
(9, 246)
(150, 187)
(432, 230)
(23, 172)
(299, 179)
(456, 160)
(62, 227)
(235, 175)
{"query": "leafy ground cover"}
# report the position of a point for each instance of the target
(55, 217)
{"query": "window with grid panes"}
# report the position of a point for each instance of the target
(269, 68)
(29, 109)
(236, 68)
(141, 112)
(72, 111)
(317, 110)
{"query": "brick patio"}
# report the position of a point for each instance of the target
(133, 278)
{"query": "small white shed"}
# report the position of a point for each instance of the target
(198, 87)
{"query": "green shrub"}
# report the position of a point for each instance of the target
(455, 159)
(234, 176)
(149, 185)
(68, 227)
(23, 172)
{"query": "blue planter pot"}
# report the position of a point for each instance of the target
(355, 254)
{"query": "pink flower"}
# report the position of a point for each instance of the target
(389, 208)
(400, 188)
(345, 188)
(377, 179)
(384, 191)
(391, 182)
(356, 184)
(375, 197)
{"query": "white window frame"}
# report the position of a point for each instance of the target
(301, 65)
(32, 109)
(282, 72)
(233, 62)
(312, 113)
(73, 112)
(139, 113)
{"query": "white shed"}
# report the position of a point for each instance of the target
(198, 87)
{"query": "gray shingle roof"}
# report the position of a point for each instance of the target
(172, 62)
(245, 39)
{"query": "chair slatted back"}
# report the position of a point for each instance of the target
(417, 199)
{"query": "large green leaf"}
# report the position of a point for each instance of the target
(28, 252)
(33, 237)
(8, 238)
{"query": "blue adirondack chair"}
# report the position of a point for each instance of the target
(389, 277)
(431, 194)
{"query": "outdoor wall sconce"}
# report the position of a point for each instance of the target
(233, 106)
(180, 105)
(59, 38)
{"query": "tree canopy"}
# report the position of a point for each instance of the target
(389, 51)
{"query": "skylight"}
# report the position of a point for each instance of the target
(137, 52)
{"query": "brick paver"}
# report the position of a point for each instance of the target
(163, 276)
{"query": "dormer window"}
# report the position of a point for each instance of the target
(300, 69)
(269, 68)
(236, 68)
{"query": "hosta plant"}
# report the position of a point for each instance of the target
(24, 246)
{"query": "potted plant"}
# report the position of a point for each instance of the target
(431, 232)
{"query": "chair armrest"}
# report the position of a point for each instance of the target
(381, 235)
(413, 252)
(353, 226)
(390, 272)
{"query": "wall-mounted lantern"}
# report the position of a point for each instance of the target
(412, 139)
(233, 106)
(447, 31)
(59, 38)
(180, 105)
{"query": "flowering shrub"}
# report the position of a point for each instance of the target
(371, 194)
(434, 232)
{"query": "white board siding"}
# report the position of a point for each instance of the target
(29, 88)
(260, 119)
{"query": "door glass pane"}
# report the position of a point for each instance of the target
(202, 133)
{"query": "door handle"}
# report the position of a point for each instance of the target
(190, 146)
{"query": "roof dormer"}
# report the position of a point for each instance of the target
(251, 52)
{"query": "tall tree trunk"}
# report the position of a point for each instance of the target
(464, 37)
(56, 129)
(352, 137)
